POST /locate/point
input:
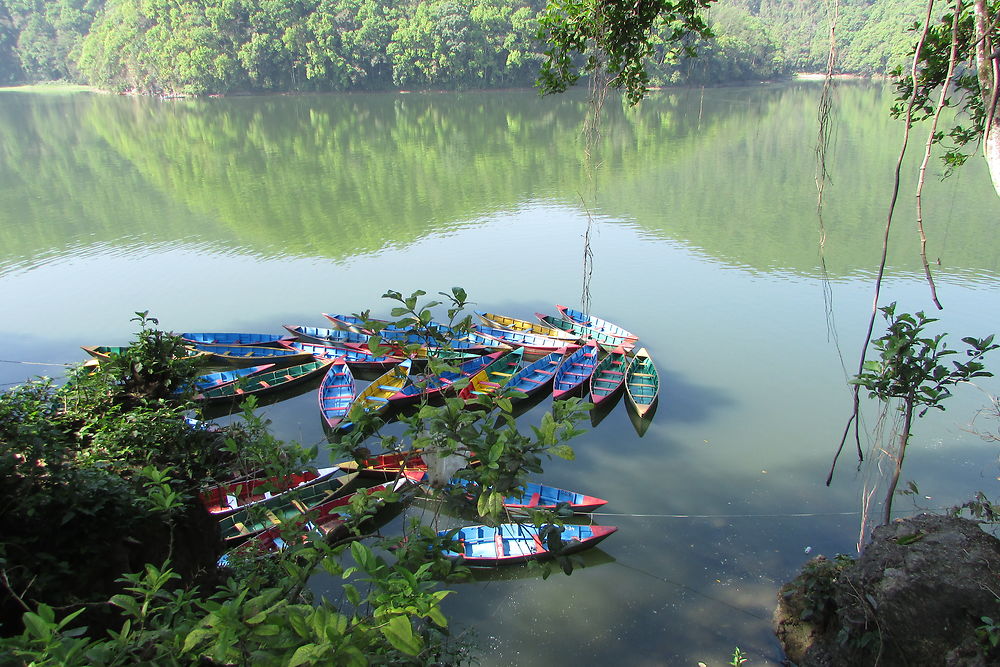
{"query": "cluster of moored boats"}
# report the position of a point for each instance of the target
(254, 521)
(569, 354)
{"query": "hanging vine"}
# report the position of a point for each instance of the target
(880, 275)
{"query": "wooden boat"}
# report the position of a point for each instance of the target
(642, 382)
(606, 340)
(543, 496)
(375, 397)
(326, 336)
(248, 521)
(337, 392)
(493, 377)
(422, 354)
(208, 381)
(430, 336)
(464, 341)
(534, 345)
(104, 352)
(266, 382)
(249, 355)
(572, 375)
(271, 340)
(227, 498)
(609, 376)
(518, 543)
(355, 357)
(536, 376)
(436, 385)
(536, 497)
(329, 519)
(359, 325)
(505, 322)
(393, 464)
(595, 323)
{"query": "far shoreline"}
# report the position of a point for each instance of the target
(64, 87)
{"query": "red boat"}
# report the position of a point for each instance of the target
(227, 498)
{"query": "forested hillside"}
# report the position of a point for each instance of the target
(221, 46)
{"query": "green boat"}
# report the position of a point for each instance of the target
(642, 383)
(494, 377)
(249, 521)
(609, 376)
(267, 382)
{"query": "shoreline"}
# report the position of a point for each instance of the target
(62, 87)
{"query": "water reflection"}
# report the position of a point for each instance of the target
(337, 176)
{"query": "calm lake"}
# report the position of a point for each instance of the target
(247, 213)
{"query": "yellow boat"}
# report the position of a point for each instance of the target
(505, 322)
(375, 397)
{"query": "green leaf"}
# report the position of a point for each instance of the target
(496, 451)
(482, 507)
(435, 615)
(37, 626)
(563, 451)
(268, 630)
(363, 555)
(256, 619)
(195, 637)
(308, 654)
(399, 632)
(353, 596)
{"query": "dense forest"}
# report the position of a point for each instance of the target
(223, 46)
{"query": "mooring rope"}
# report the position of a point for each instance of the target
(33, 363)
(794, 515)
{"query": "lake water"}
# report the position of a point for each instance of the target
(247, 213)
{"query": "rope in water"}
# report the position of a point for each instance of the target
(728, 516)
(33, 363)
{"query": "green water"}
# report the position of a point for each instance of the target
(247, 213)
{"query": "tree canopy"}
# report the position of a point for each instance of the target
(222, 46)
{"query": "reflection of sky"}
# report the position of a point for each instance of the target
(754, 401)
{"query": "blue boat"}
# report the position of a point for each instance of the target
(536, 376)
(358, 325)
(248, 355)
(517, 543)
(533, 344)
(326, 336)
(214, 380)
(572, 375)
(271, 340)
(355, 358)
(337, 392)
(535, 496)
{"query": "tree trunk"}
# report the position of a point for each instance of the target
(904, 437)
(988, 70)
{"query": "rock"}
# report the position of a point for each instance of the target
(915, 596)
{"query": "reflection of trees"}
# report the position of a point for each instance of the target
(729, 173)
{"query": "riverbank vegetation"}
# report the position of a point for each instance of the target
(214, 47)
